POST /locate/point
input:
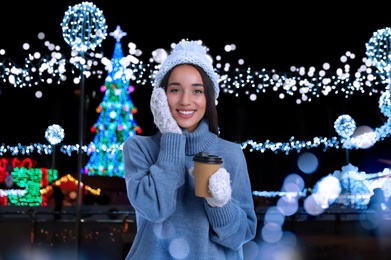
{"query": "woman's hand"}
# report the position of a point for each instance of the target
(220, 188)
(161, 113)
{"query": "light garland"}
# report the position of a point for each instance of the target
(13, 192)
(303, 84)
(300, 84)
(344, 126)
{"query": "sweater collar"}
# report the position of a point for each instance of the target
(199, 140)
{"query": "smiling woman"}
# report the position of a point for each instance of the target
(183, 104)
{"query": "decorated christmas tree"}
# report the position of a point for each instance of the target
(115, 122)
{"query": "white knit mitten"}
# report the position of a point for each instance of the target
(161, 113)
(191, 171)
(220, 188)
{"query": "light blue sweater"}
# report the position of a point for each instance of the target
(172, 223)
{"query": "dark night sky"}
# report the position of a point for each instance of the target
(271, 36)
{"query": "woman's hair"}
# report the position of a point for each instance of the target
(211, 110)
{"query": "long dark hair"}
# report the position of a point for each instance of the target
(211, 110)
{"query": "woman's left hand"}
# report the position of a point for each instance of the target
(220, 188)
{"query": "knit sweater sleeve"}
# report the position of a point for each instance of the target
(153, 173)
(235, 223)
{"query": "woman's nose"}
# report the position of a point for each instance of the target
(185, 99)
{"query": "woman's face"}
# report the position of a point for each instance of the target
(186, 96)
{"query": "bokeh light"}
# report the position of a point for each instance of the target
(307, 162)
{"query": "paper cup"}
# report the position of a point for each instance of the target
(204, 166)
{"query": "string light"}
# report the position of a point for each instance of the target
(344, 126)
(299, 83)
(332, 142)
(304, 85)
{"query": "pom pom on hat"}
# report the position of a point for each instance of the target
(190, 52)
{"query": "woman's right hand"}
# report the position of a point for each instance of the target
(161, 113)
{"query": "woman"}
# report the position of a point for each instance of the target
(173, 223)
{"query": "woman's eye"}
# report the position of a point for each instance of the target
(174, 90)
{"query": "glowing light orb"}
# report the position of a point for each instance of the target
(54, 134)
(159, 55)
(271, 232)
(345, 126)
(273, 215)
(84, 27)
(364, 137)
(72, 195)
(287, 206)
(307, 162)
(378, 50)
(293, 183)
(312, 205)
(179, 248)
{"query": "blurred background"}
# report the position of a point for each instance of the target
(245, 40)
(272, 37)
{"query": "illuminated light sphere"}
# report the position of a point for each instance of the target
(84, 27)
(287, 206)
(271, 232)
(179, 248)
(159, 55)
(273, 215)
(131, 89)
(72, 195)
(378, 49)
(253, 97)
(293, 183)
(54, 134)
(307, 162)
(312, 205)
(345, 126)
(364, 137)
(250, 250)
(38, 94)
(385, 103)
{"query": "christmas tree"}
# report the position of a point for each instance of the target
(115, 122)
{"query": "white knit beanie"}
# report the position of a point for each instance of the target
(190, 52)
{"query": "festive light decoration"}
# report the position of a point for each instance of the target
(345, 126)
(378, 52)
(27, 178)
(116, 122)
(232, 83)
(33, 183)
(299, 84)
(84, 27)
(302, 84)
(54, 134)
(353, 188)
(68, 180)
